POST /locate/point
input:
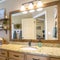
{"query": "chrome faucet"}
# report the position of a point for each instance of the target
(29, 43)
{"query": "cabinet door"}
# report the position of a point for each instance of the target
(3, 58)
(54, 59)
(33, 57)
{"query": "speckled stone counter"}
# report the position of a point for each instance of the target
(47, 51)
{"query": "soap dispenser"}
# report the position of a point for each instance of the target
(39, 44)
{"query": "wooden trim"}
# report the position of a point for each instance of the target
(50, 4)
(43, 41)
(26, 40)
(59, 21)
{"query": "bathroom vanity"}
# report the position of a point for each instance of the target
(14, 52)
(25, 28)
(41, 26)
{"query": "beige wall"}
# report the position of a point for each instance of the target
(11, 5)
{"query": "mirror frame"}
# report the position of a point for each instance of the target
(43, 41)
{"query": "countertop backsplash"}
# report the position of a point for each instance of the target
(51, 44)
(38, 44)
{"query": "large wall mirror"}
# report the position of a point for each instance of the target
(35, 24)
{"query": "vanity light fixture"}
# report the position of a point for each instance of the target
(32, 6)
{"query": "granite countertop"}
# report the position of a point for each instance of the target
(46, 51)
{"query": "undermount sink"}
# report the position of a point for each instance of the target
(28, 48)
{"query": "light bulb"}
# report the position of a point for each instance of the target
(1, 38)
(25, 12)
(39, 9)
(32, 11)
(22, 8)
(30, 6)
(6, 17)
(39, 4)
(49, 33)
(55, 20)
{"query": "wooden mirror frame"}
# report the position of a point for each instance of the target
(43, 41)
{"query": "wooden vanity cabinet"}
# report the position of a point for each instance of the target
(11, 55)
(54, 58)
(34, 57)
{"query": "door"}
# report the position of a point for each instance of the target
(29, 28)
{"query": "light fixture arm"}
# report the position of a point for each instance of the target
(30, 2)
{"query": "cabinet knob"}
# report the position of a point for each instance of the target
(5, 59)
(16, 55)
(35, 59)
(3, 53)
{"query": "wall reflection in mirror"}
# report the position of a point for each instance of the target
(39, 24)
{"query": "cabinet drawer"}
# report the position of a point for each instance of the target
(3, 53)
(54, 58)
(16, 55)
(3, 58)
(11, 59)
(33, 57)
